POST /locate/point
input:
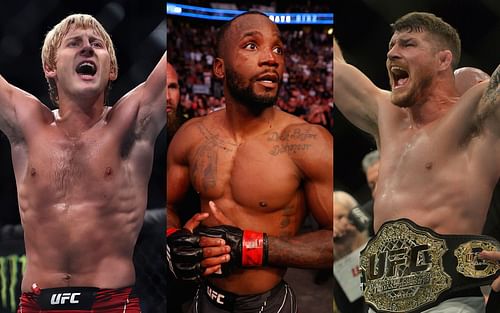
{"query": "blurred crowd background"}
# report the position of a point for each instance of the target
(307, 89)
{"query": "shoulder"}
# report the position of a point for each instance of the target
(33, 109)
(298, 130)
(310, 146)
(198, 126)
(190, 134)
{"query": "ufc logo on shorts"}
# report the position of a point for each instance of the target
(214, 295)
(62, 298)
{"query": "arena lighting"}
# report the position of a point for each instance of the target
(225, 15)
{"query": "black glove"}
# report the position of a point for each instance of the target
(359, 218)
(248, 248)
(184, 254)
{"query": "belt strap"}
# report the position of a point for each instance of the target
(408, 268)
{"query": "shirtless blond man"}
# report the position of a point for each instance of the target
(82, 172)
(257, 170)
(439, 152)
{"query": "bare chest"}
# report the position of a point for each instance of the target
(257, 173)
(427, 171)
(60, 165)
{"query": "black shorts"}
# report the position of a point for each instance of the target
(210, 299)
(80, 299)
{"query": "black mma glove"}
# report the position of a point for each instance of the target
(248, 248)
(359, 218)
(184, 254)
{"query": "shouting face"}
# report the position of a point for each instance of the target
(411, 65)
(82, 65)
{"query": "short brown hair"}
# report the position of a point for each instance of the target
(447, 36)
(55, 36)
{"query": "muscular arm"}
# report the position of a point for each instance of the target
(489, 104)
(150, 99)
(177, 176)
(152, 105)
(11, 100)
(310, 250)
(355, 95)
(7, 109)
(314, 249)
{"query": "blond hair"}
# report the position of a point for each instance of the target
(54, 38)
(344, 199)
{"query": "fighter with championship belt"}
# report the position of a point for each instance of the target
(439, 163)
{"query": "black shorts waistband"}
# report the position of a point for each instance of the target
(226, 300)
(74, 298)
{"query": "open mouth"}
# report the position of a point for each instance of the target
(400, 76)
(268, 80)
(86, 68)
(268, 77)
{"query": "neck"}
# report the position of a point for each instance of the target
(77, 117)
(435, 101)
(243, 123)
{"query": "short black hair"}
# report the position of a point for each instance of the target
(447, 35)
(219, 39)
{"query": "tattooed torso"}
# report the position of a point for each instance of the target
(258, 181)
(256, 177)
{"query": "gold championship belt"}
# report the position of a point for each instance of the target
(408, 268)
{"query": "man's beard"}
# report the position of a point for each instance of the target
(414, 95)
(245, 94)
(174, 122)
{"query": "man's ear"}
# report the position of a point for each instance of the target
(218, 68)
(445, 59)
(112, 74)
(49, 72)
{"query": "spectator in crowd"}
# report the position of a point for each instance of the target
(347, 238)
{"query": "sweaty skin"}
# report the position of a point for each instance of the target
(440, 152)
(82, 171)
(263, 171)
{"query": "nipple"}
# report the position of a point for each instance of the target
(108, 171)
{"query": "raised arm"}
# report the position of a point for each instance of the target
(355, 95)
(313, 249)
(153, 103)
(11, 100)
(150, 103)
(489, 104)
(7, 109)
